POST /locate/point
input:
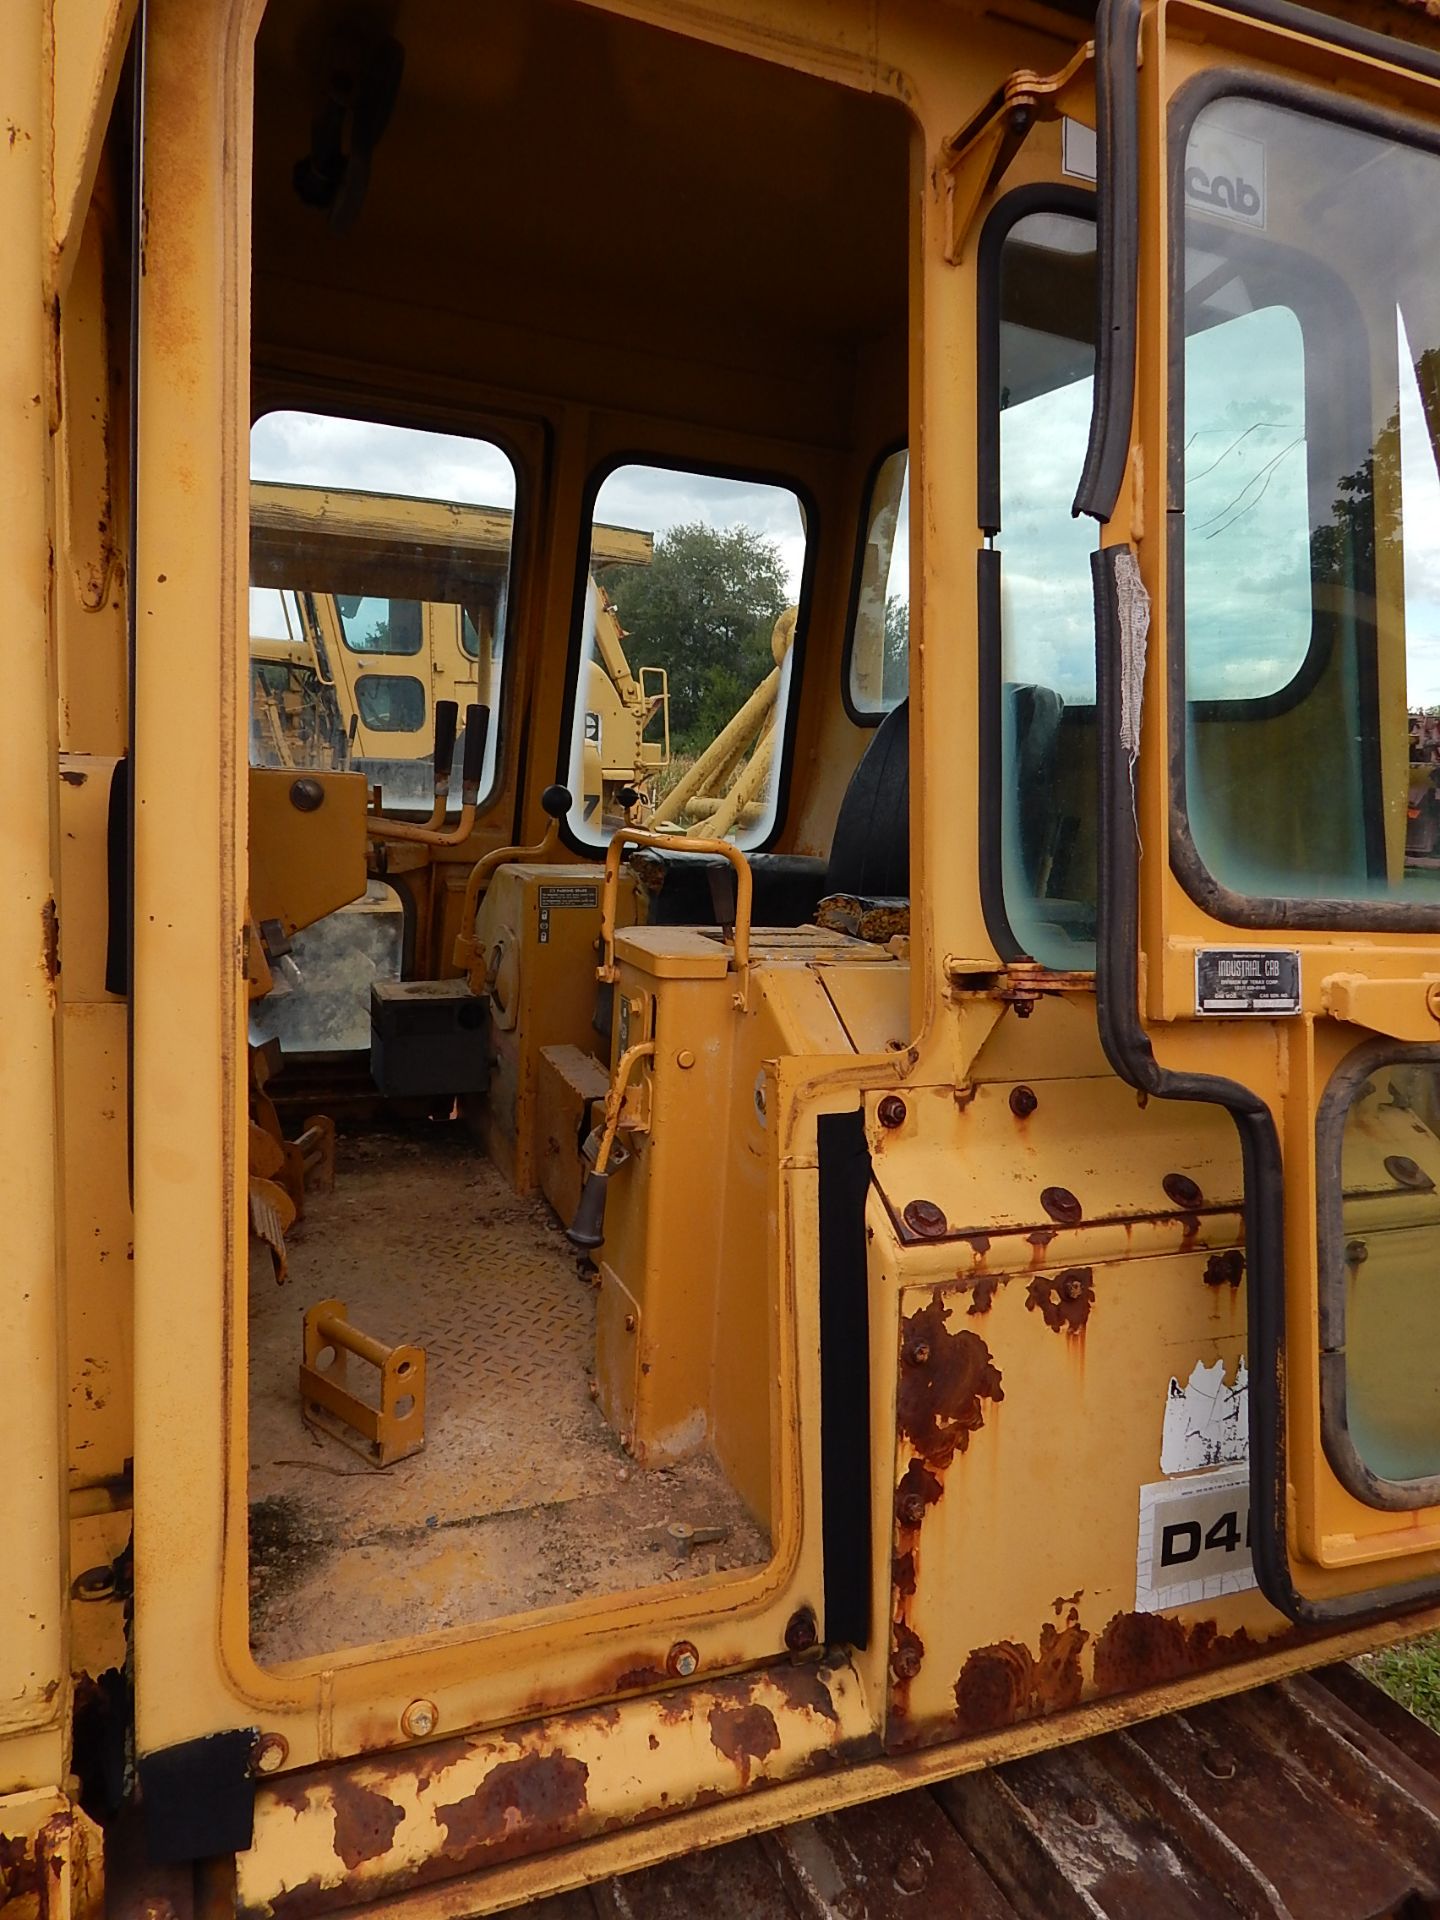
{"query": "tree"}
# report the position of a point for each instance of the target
(704, 610)
(895, 664)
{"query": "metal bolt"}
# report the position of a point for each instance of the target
(910, 1509)
(1356, 1253)
(419, 1718)
(1225, 1269)
(306, 795)
(1023, 1102)
(629, 1323)
(891, 1111)
(95, 1583)
(1180, 1188)
(1218, 1765)
(912, 1870)
(682, 1660)
(269, 1753)
(905, 1662)
(801, 1632)
(1071, 1285)
(926, 1220)
(1062, 1206)
(917, 1354)
(685, 1058)
(1083, 1812)
(1404, 1171)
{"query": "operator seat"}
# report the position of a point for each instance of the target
(870, 850)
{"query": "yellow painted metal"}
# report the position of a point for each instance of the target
(34, 1664)
(305, 860)
(382, 1434)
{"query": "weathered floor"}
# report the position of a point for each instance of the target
(1312, 1799)
(522, 1497)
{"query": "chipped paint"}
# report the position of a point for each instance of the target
(743, 1735)
(945, 1379)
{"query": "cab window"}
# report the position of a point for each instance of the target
(686, 655)
(878, 657)
(376, 542)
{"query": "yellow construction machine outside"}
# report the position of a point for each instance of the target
(861, 1218)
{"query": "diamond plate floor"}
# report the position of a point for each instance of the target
(522, 1497)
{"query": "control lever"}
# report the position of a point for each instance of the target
(446, 715)
(477, 729)
(587, 1229)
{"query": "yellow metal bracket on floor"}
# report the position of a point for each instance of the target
(393, 1430)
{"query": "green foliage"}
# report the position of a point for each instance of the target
(704, 610)
(895, 666)
(1410, 1673)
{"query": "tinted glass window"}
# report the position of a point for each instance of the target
(391, 702)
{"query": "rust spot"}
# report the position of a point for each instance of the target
(1062, 1206)
(984, 1292)
(1039, 1241)
(654, 1740)
(1064, 1600)
(944, 1381)
(979, 1245)
(1145, 1649)
(804, 1687)
(1189, 1231)
(1065, 1301)
(907, 1654)
(521, 1806)
(1225, 1269)
(633, 1679)
(1005, 1683)
(20, 1869)
(902, 1574)
(73, 777)
(743, 1735)
(918, 1489)
(50, 941)
(365, 1821)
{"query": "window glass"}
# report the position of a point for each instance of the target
(880, 637)
(686, 654)
(1047, 639)
(390, 702)
(1390, 1167)
(372, 623)
(371, 540)
(1310, 600)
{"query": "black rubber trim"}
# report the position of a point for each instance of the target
(1127, 1047)
(844, 1162)
(863, 716)
(1117, 115)
(199, 1797)
(990, 759)
(118, 882)
(136, 58)
(1221, 902)
(1346, 1083)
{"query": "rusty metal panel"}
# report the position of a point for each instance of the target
(1055, 1379)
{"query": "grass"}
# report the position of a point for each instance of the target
(1409, 1673)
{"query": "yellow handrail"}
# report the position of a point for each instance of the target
(677, 843)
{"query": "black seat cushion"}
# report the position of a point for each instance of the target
(698, 889)
(870, 854)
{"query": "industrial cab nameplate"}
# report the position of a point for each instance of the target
(1247, 980)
